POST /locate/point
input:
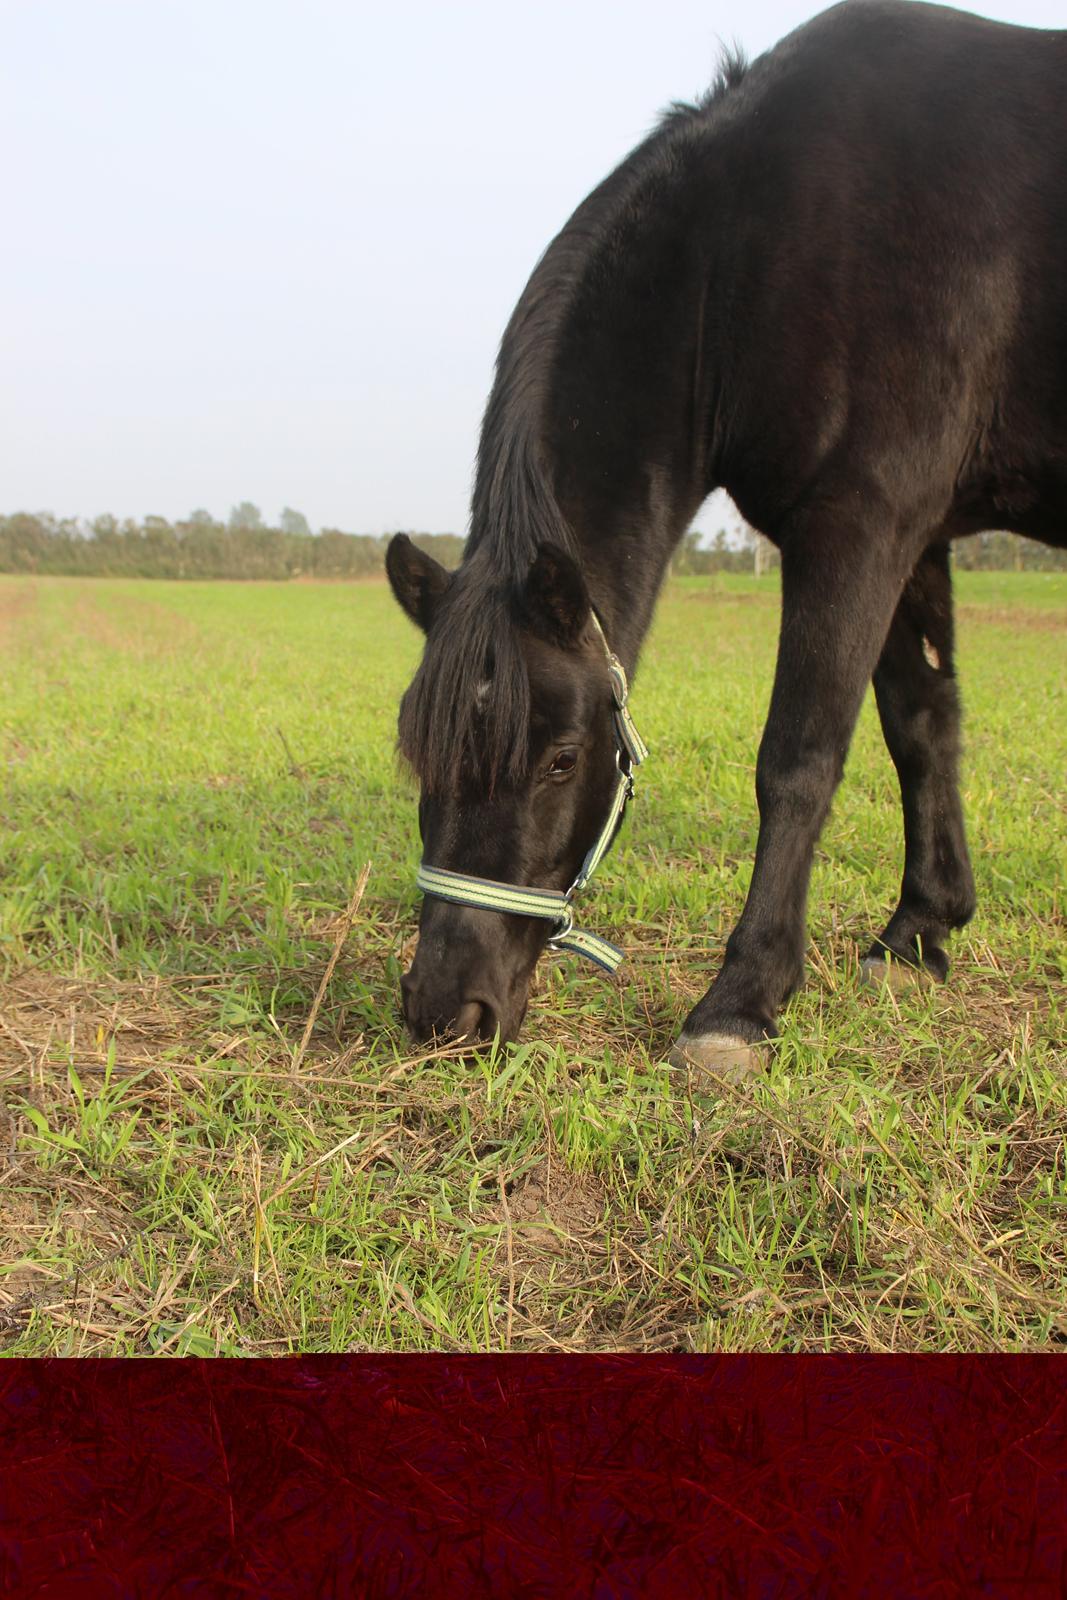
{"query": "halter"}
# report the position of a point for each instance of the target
(553, 905)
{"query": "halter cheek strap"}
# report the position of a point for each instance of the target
(553, 905)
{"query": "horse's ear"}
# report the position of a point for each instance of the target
(416, 579)
(556, 601)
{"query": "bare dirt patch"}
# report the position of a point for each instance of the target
(141, 627)
(728, 597)
(17, 602)
(138, 1023)
(551, 1208)
(69, 1239)
(1028, 619)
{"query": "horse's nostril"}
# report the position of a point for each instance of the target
(428, 1016)
(489, 1023)
(468, 1021)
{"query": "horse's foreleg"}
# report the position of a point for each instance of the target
(915, 686)
(840, 588)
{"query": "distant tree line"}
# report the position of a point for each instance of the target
(199, 547)
(746, 551)
(1006, 552)
(247, 547)
(742, 551)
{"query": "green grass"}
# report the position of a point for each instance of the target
(192, 778)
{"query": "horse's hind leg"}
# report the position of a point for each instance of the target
(915, 687)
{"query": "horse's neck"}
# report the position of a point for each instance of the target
(630, 459)
(626, 535)
(623, 595)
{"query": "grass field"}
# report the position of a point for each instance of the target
(193, 779)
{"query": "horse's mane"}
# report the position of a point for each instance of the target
(733, 65)
(468, 706)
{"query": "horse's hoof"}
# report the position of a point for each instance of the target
(875, 972)
(711, 1056)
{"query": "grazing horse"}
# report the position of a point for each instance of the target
(836, 287)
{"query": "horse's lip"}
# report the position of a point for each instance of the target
(465, 1027)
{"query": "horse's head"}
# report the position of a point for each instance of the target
(509, 727)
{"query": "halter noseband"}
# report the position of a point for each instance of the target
(553, 905)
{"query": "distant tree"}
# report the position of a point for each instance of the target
(246, 515)
(447, 548)
(294, 523)
(763, 556)
(200, 518)
(724, 556)
(25, 542)
(344, 555)
(687, 557)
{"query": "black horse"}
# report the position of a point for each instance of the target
(838, 288)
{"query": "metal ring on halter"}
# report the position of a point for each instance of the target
(566, 923)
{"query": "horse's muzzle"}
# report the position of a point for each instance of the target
(431, 1016)
(468, 980)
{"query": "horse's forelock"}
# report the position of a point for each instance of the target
(468, 707)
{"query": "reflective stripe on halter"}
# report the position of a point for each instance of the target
(553, 905)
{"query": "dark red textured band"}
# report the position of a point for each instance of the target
(536, 1476)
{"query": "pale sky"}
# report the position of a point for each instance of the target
(265, 249)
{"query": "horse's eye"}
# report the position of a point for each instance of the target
(565, 762)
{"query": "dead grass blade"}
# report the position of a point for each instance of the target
(342, 934)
